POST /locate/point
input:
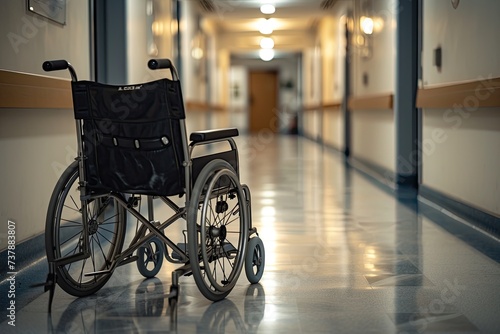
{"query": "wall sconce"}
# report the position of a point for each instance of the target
(197, 46)
(197, 53)
(366, 24)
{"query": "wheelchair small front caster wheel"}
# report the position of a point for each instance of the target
(150, 257)
(255, 260)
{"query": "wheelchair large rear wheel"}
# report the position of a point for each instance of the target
(217, 230)
(64, 234)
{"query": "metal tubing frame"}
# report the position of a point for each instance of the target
(83, 182)
(154, 229)
(231, 142)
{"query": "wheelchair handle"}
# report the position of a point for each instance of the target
(156, 64)
(57, 65)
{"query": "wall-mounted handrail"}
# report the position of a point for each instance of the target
(369, 102)
(325, 106)
(32, 91)
(201, 106)
(477, 93)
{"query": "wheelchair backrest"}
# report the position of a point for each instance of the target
(132, 139)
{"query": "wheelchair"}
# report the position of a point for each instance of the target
(133, 152)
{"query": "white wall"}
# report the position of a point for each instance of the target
(193, 87)
(36, 144)
(469, 39)
(373, 139)
(376, 59)
(373, 136)
(140, 34)
(238, 106)
(312, 95)
(29, 39)
(461, 156)
(137, 48)
(463, 164)
(331, 33)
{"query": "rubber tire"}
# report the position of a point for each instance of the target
(255, 249)
(141, 253)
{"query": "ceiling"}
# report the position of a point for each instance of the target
(238, 21)
(243, 15)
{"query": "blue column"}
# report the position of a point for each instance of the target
(405, 111)
(347, 91)
(111, 41)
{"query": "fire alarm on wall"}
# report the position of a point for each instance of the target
(455, 3)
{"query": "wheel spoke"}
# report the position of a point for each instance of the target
(219, 197)
(66, 211)
(102, 251)
(79, 232)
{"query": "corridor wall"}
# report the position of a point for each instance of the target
(461, 139)
(36, 142)
(460, 101)
(372, 78)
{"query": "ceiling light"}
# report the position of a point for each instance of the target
(266, 26)
(267, 9)
(267, 43)
(266, 54)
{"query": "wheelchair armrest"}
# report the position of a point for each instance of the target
(209, 135)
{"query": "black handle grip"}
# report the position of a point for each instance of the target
(155, 64)
(55, 65)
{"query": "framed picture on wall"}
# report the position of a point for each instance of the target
(54, 10)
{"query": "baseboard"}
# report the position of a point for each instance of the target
(474, 215)
(31, 268)
(26, 252)
(377, 173)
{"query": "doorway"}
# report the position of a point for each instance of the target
(263, 101)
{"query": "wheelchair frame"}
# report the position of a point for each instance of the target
(213, 176)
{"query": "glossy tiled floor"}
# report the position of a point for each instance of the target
(342, 256)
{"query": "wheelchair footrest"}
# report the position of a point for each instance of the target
(229, 248)
(175, 255)
(226, 250)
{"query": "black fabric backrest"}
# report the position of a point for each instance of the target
(131, 136)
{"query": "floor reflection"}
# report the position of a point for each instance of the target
(147, 309)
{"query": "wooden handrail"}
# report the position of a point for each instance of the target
(325, 106)
(383, 101)
(31, 91)
(201, 106)
(477, 93)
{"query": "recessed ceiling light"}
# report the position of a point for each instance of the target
(266, 54)
(267, 9)
(266, 26)
(267, 43)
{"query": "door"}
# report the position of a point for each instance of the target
(263, 101)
